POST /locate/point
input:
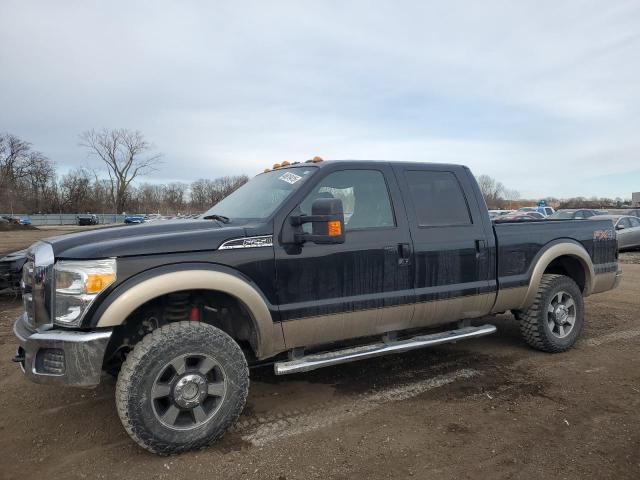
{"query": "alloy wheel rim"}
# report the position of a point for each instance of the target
(561, 314)
(188, 391)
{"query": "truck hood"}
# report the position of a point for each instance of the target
(172, 236)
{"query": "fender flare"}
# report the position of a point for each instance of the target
(150, 284)
(557, 249)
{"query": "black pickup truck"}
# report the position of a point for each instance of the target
(308, 265)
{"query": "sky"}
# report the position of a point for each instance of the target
(544, 96)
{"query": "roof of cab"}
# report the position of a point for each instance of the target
(359, 163)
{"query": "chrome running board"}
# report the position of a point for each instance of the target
(319, 360)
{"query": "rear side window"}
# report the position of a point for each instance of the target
(635, 222)
(438, 198)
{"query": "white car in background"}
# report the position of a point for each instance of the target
(545, 211)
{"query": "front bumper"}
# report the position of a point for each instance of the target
(61, 357)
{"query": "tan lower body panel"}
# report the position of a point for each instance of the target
(509, 298)
(343, 326)
(438, 312)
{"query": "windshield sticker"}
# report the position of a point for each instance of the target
(290, 178)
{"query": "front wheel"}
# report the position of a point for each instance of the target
(554, 321)
(181, 387)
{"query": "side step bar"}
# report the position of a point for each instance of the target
(319, 360)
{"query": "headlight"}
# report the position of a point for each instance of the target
(78, 283)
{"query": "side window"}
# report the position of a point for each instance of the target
(625, 222)
(364, 195)
(438, 198)
(579, 215)
(635, 222)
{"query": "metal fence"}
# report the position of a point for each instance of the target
(66, 218)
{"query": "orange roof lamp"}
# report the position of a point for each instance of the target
(286, 163)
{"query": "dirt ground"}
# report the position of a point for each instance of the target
(18, 239)
(487, 408)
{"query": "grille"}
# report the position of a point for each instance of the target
(37, 285)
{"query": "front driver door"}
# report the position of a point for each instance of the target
(359, 288)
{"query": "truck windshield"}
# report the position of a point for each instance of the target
(262, 195)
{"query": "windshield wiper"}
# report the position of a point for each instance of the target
(214, 216)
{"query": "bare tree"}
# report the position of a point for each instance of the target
(492, 190)
(205, 193)
(511, 195)
(174, 196)
(14, 158)
(126, 155)
(26, 175)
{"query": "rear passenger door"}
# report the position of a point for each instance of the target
(454, 265)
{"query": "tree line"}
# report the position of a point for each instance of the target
(499, 197)
(30, 183)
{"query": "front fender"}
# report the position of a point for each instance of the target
(141, 288)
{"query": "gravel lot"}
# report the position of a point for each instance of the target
(488, 408)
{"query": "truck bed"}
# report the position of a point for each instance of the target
(519, 244)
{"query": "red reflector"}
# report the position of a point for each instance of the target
(194, 314)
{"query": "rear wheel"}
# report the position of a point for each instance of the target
(181, 387)
(554, 321)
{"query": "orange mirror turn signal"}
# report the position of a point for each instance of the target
(334, 228)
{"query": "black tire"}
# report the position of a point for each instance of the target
(152, 358)
(542, 328)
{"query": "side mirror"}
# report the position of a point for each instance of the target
(620, 227)
(327, 219)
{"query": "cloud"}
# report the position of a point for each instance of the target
(541, 95)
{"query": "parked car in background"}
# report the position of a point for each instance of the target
(627, 227)
(87, 219)
(631, 212)
(573, 214)
(519, 216)
(11, 219)
(134, 219)
(543, 210)
(11, 271)
(493, 214)
(25, 220)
